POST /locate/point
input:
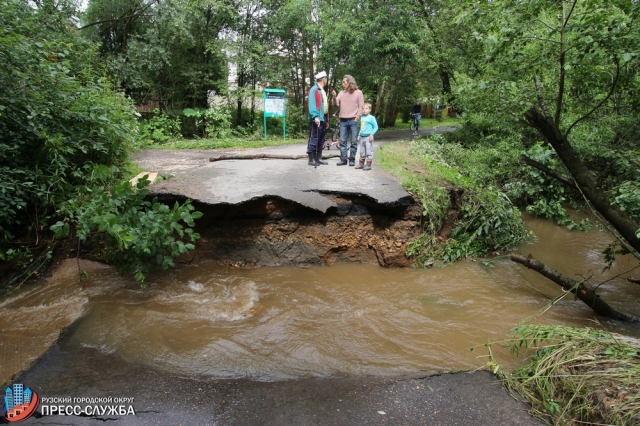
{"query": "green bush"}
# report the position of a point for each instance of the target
(63, 127)
(487, 222)
(214, 122)
(137, 234)
(61, 123)
(486, 219)
(297, 123)
(160, 128)
(543, 195)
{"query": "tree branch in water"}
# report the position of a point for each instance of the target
(582, 292)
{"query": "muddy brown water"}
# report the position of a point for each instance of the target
(207, 320)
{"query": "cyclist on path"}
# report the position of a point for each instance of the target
(417, 113)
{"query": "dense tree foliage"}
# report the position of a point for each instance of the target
(168, 52)
(175, 52)
(569, 71)
(63, 127)
(61, 123)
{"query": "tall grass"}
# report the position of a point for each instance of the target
(464, 216)
(577, 375)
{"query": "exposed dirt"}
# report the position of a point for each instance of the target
(274, 232)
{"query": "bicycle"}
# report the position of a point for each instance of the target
(335, 133)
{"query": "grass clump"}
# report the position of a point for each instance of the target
(465, 215)
(224, 143)
(577, 375)
(431, 189)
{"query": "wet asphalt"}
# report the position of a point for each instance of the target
(238, 181)
(69, 370)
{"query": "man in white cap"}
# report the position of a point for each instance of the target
(317, 120)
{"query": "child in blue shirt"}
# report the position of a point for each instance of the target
(368, 127)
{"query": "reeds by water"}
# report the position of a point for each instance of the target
(577, 375)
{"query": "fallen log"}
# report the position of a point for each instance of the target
(582, 292)
(267, 157)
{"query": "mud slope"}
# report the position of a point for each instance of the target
(273, 231)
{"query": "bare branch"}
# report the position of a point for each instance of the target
(573, 6)
(563, 41)
(545, 169)
(618, 276)
(126, 15)
(266, 157)
(595, 108)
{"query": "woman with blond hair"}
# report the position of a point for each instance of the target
(350, 101)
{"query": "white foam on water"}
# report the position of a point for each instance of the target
(217, 301)
(197, 287)
(100, 348)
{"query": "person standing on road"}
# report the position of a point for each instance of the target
(417, 113)
(368, 127)
(317, 121)
(350, 101)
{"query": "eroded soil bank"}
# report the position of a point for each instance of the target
(272, 231)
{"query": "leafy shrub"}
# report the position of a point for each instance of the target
(487, 222)
(138, 234)
(486, 219)
(214, 122)
(543, 195)
(627, 196)
(61, 123)
(160, 128)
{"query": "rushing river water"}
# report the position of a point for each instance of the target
(273, 323)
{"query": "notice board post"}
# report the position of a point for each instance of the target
(274, 107)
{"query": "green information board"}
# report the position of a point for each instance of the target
(274, 106)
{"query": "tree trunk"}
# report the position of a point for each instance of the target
(253, 102)
(380, 99)
(303, 73)
(588, 296)
(446, 83)
(626, 226)
(389, 119)
(239, 93)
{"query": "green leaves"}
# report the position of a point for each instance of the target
(62, 124)
(136, 234)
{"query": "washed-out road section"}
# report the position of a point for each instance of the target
(163, 398)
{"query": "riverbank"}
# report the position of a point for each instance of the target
(76, 368)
